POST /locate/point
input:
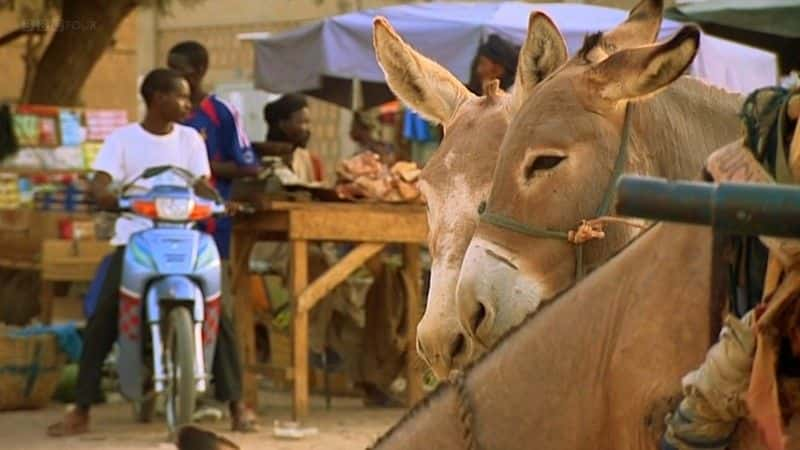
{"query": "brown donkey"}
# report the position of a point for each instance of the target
(596, 117)
(459, 174)
(599, 368)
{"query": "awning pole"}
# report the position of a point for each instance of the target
(357, 97)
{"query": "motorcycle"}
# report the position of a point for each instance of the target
(170, 297)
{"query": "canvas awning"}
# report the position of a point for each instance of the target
(323, 59)
(769, 24)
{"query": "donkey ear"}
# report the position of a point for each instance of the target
(543, 52)
(642, 71)
(419, 82)
(640, 28)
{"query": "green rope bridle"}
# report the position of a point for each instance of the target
(511, 224)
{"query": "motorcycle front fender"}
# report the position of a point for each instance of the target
(174, 288)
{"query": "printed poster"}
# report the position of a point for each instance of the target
(26, 128)
(101, 122)
(90, 151)
(72, 132)
(46, 124)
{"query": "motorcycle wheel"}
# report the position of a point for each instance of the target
(145, 408)
(180, 363)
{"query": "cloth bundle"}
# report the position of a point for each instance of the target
(365, 177)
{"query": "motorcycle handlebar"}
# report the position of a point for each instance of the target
(125, 204)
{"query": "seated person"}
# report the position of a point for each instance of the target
(496, 60)
(289, 122)
(361, 132)
(336, 324)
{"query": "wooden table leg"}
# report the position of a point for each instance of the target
(299, 282)
(413, 273)
(46, 298)
(243, 317)
(336, 275)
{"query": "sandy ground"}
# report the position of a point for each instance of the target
(347, 425)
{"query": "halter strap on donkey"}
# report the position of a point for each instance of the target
(696, 423)
(588, 229)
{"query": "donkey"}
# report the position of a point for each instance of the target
(600, 367)
(597, 369)
(601, 114)
(458, 176)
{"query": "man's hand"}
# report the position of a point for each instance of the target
(100, 190)
(233, 208)
(204, 189)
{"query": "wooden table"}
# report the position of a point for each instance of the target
(372, 226)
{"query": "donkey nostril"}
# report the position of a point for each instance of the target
(478, 317)
(458, 346)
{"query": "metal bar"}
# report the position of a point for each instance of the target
(199, 360)
(159, 375)
(738, 208)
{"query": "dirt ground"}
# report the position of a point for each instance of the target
(347, 425)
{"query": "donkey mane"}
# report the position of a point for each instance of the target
(590, 41)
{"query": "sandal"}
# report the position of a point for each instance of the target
(74, 422)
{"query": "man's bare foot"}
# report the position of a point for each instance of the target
(75, 421)
(243, 419)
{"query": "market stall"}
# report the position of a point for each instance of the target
(373, 207)
(47, 231)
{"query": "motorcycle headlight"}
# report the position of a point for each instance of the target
(169, 208)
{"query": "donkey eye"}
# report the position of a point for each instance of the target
(542, 163)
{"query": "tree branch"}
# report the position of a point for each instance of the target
(64, 66)
(18, 33)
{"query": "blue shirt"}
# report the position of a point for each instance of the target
(221, 128)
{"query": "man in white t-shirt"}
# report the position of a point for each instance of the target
(126, 153)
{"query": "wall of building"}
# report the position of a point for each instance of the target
(232, 60)
(144, 37)
(112, 83)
